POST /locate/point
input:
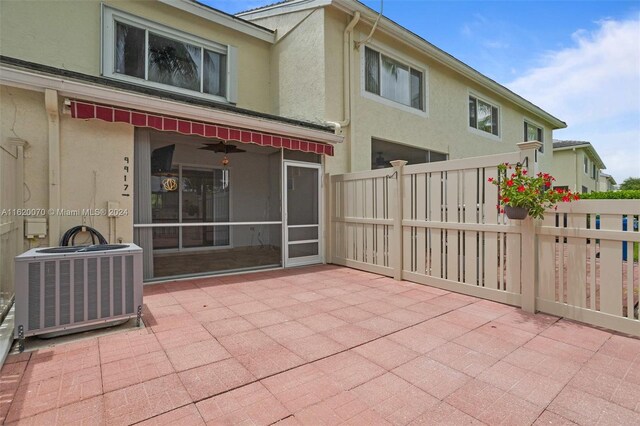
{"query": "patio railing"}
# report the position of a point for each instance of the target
(437, 224)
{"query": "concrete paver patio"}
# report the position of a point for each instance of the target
(328, 345)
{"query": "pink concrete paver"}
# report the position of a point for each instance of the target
(183, 416)
(213, 379)
(134, 370)
(251, 404)
(144, 400)
(328, 345)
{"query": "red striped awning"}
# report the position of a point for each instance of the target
(88, 110)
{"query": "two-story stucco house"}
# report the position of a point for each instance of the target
(576, 166)
(392, 94)
(203, 137)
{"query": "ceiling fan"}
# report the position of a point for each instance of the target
(221, 147)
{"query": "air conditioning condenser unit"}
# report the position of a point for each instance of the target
(70, 289)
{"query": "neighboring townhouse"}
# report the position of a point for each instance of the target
(606, 182)
(392, 94)
(576, 166)
(162, 112)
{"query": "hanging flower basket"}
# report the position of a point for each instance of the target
(520, 195)
(518, 213)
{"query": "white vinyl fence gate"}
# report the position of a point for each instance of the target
(437, 224)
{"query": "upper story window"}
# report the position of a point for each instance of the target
(594, 171)
(393, 80)
(143, 52)
(586, 165)
(483, 115)
(533, 133)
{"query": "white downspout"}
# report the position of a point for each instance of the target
(347, 37)
(53, 114)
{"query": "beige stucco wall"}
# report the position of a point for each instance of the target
(91, 162)
(443, 128)
(66, 34)
(23, 116)
(568, 169)
(297, 86)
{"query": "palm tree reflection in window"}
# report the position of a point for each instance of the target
(129, 50)
(174, 63)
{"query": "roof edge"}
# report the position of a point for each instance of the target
(222, 18)
(410, 38)
(584, 145)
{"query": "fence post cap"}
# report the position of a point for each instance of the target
(529, 145)
(398, 163)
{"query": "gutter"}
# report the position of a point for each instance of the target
(408, 37)
(411, 39)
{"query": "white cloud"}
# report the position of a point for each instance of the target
(595, 87)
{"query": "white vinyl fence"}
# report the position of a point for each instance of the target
(453, 235)
(586, 265)
(437, 224)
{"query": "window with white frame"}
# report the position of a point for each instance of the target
(143, 52)
(533, 133)
(483, 115)
(393, 80)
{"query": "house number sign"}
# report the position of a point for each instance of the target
(126, 184)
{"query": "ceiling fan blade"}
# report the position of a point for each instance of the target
(221, 147)
(233, 149)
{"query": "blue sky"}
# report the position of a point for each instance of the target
(578, 60)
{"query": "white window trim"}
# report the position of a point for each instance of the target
(111, 15)
(424, 69)
(544, 130)
(492, 103)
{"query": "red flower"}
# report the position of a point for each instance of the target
(521, 188)
(510, 182)
(490, 179)
(576, 197)
(501, 210)
(524, 172)
(566, 199)
(559, 190)
(547, 184)
(505, 199)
